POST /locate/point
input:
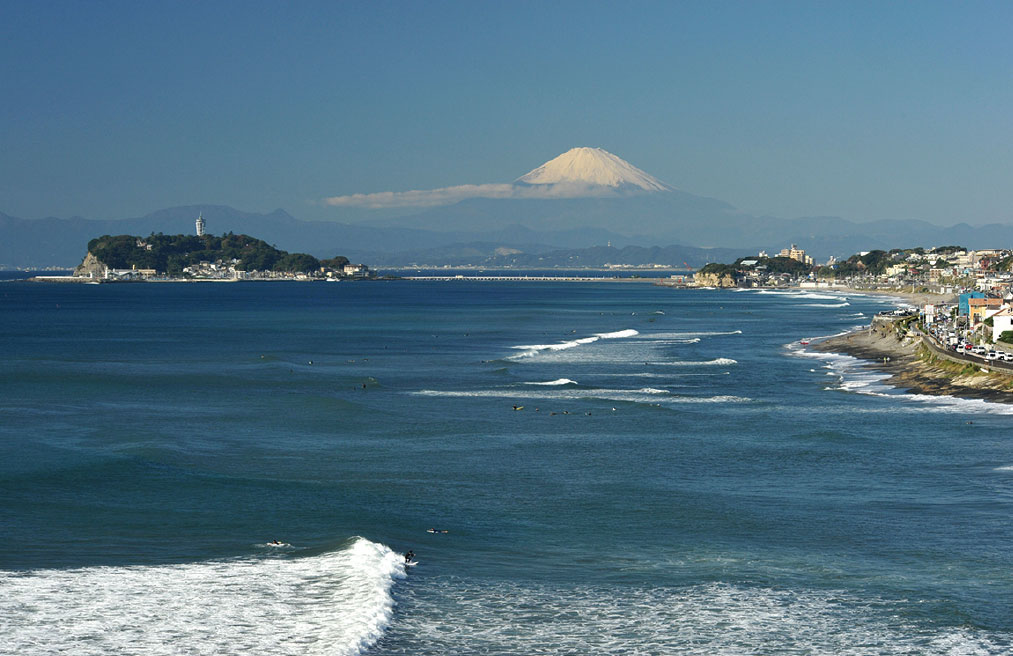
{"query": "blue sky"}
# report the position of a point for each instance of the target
(866, 110)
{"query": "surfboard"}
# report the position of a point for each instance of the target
(412, 563)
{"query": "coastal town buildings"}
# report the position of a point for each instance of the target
(795, 253)
(980, 308)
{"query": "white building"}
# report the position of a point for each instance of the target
(1001, 322)
(200, 225)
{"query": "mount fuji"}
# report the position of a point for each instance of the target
(584, 188)
(592, 167)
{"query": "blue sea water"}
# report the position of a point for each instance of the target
(680, 475)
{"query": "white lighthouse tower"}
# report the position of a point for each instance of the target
(200, 224)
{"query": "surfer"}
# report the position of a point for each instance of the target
(408, 556)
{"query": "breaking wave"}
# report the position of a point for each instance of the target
(558, 381)
(336, 603)
(648, 395)
(689, 334)
(698, 363)
(531, 350)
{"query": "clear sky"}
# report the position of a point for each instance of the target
(866, 110)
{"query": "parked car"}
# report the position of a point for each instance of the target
(979, 350)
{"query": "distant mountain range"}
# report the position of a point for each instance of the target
(584, 198)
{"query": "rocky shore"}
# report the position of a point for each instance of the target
(914, 368)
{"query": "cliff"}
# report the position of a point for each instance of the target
(713, 280)
(90, 267)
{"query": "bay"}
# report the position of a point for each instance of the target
(679, 476)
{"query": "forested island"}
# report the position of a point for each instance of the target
(226, 257)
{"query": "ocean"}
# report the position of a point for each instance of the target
(609, 468)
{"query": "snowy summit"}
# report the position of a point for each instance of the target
(592, 166)
(577, 173)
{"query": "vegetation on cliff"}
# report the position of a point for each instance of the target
(171, 253)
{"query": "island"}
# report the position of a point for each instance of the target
(202, 257)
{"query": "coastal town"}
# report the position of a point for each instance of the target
(937, 270)
(955, 335)
(974, 288)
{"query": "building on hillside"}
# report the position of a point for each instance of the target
(200, 224)
(356, 270)
(980, 308)
(962, 302)
(895, 270)
(1001, 322)
(797, 254)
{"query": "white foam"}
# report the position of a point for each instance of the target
(531, 350)
(334, 603)
(689, 334)
(699, 363)
(826, 305)
(629, 332)
(561, 346)
(855, 377)
(696, 620)
(558, 381)
(804, 295)
(646, 395)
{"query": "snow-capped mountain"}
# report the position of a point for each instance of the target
(592, 166)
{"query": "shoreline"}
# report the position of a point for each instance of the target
(915, 298)
(913, 370)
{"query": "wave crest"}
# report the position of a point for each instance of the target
(338, 602)
(558, 381)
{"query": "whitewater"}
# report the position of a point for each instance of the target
(336, 604)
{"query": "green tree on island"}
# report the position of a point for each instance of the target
(172, 253)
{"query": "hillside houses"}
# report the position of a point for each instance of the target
(945, 269)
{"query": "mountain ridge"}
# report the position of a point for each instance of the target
(639, 210)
